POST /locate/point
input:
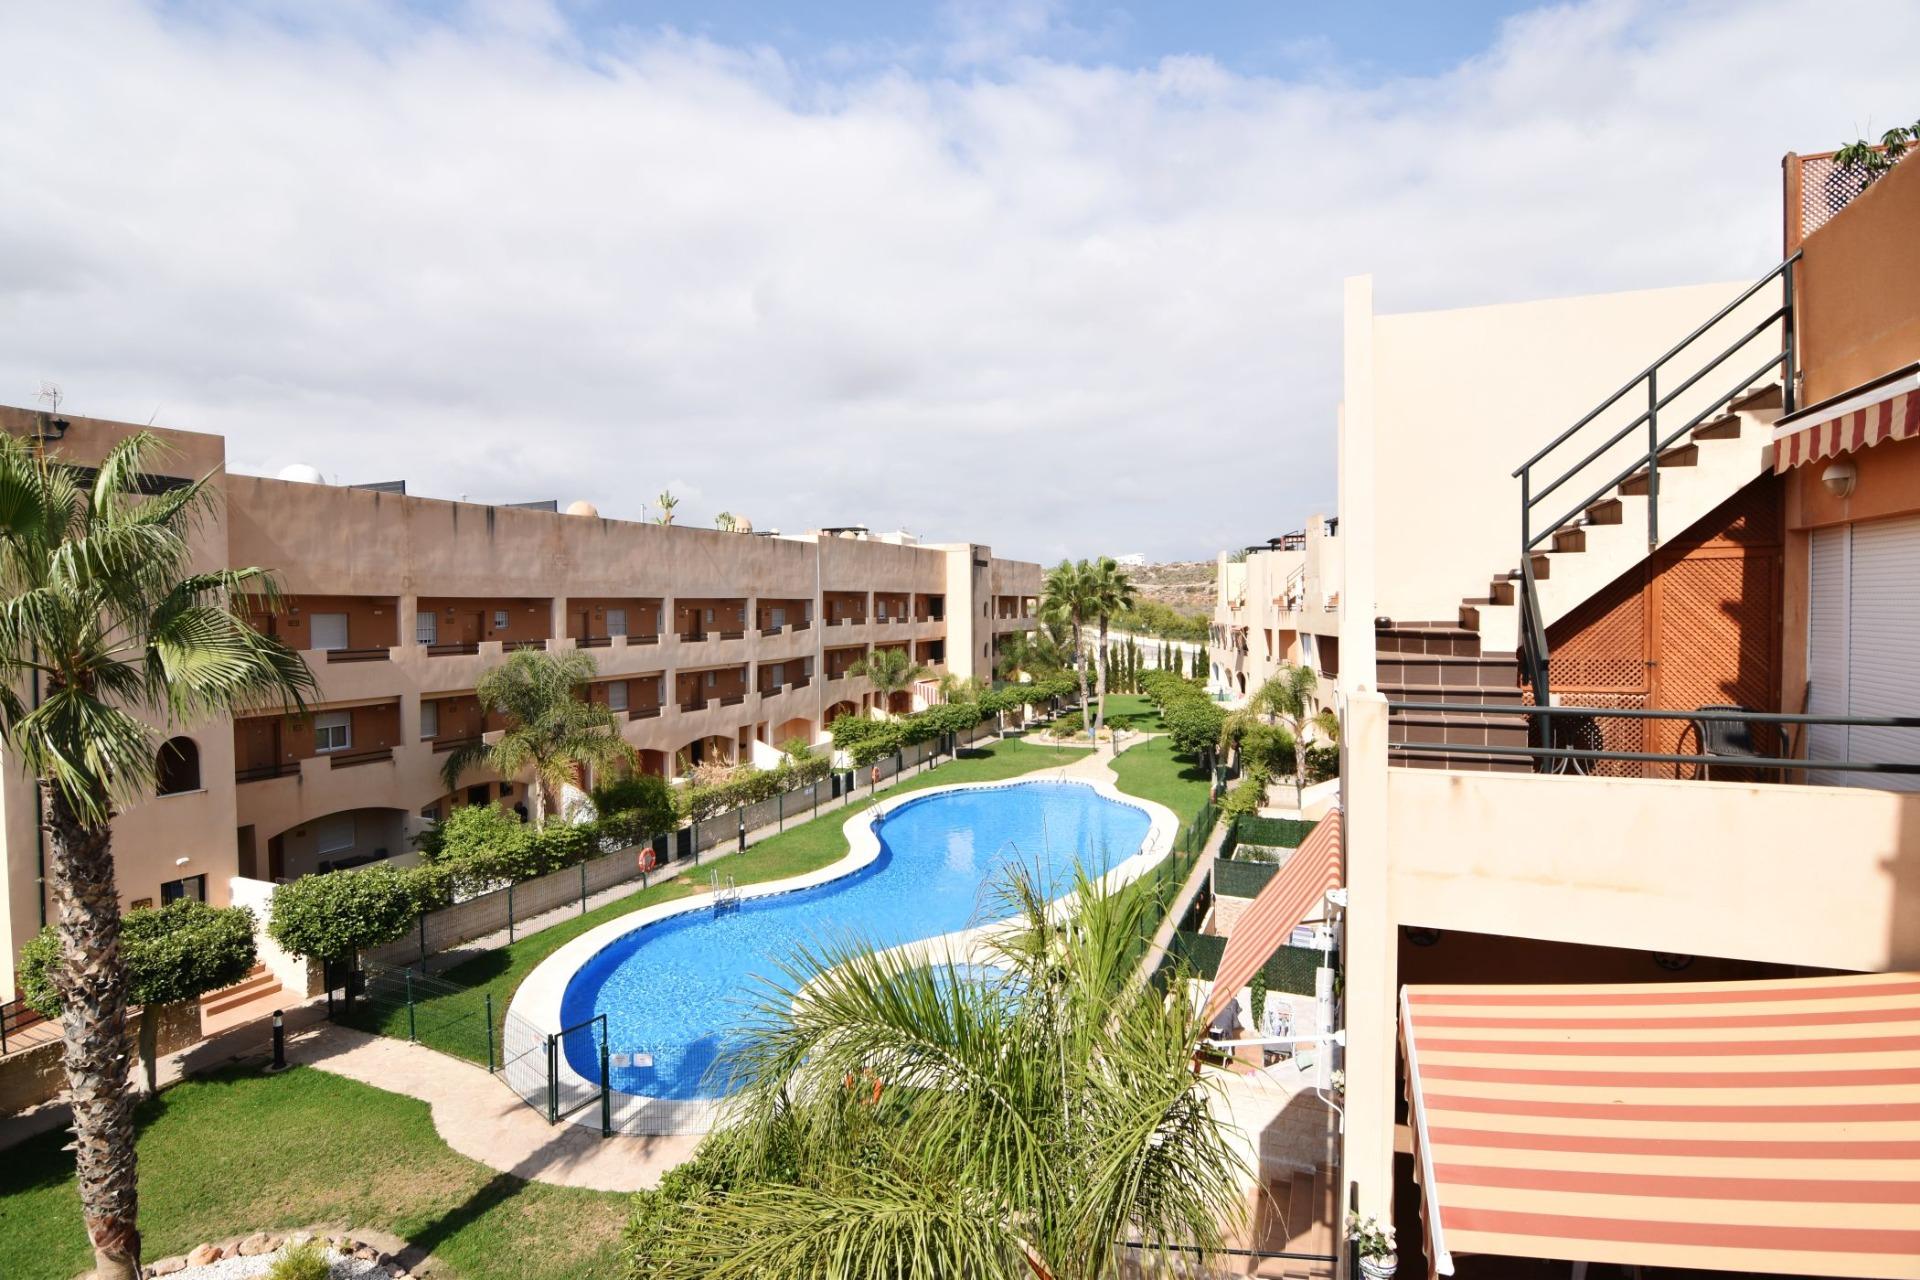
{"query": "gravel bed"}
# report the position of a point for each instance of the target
(344, 1267)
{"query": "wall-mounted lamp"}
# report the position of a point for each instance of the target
(1839, 478)
(1423, 937)
(49, 427)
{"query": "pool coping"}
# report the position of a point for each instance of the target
(536, 1005)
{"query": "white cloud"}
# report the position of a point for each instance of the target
(1060, 308)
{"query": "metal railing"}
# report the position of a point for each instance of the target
(1532, 494)
(1549, 758)
(15, 1017)
(442, 1015)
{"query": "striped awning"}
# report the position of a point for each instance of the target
(1269, 920)
(1886, 409)
(1768, 1127)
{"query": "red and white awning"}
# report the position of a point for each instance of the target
(1761, 1127)
(1888, 409)
(1270, 919)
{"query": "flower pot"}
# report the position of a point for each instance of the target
(1380, 1268)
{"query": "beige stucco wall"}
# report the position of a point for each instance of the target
(1827, 877)
(1462, 397)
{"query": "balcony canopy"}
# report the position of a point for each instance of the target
(1761, 1127)
(1886, 409)
(1285, 901)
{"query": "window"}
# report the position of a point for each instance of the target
(713, 679)
(429, 719)
(499, 619)
(776, 675)
(616, 622)
(333, 731)
(187, 888)
(709, 617)
(328, 630)
(333, 833)
(426, 627)
(177, 767)
(617, 696)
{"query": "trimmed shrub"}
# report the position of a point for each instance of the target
(336, 916)
(641, 796)
(1194, 724)
(301, 1262)
(178, 952)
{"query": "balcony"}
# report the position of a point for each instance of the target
(353, 759)
(261, 772)
(447, 626)
(443, 745)
(643, 713)
(380, 654)
(593, 642)
(689, 706)
(697, 618)
(595, 622)
(453, 649)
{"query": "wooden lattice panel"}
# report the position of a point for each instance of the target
(1696, 624)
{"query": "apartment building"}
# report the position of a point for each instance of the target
(1630, 795)
(1276, 604)
(711, 646)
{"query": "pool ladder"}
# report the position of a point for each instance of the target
(726, 895)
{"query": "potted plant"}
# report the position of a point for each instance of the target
(1375, 1244)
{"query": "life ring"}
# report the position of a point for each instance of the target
(648, 860)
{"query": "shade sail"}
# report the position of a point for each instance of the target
(1270, 918)
(1887, 409)
(1735, 1126)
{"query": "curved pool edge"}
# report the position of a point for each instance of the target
(535, 1010)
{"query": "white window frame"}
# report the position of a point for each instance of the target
(499, 619)
(429, 719)
(324, 723)
(617, 695)
(713, 679)
(426, 627)
(313, 631)
(616, 622)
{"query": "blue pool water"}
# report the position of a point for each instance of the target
(677, 988)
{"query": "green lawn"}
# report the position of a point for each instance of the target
(453, 1023)
(1134, 711)
(238, 1151)
(1152, 771)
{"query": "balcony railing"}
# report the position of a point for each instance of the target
(801, 625)
(693, 636)
(771, 631)
(798, 682)
(349, 759)
(733, 699)
(509, 646)
(379, 654)
(453, 648)
(260, 772)
(642, 713)
(443, 745)
(594, 642)
(733, 635)
(646, 639)
(696, 704)
(1563, 739)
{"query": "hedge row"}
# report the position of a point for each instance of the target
(1271, 833)
(1193, 720)
(866, 740)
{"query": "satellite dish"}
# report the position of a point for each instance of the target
(302, 473)
(581, 507)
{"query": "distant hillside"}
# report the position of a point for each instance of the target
(1184, 586)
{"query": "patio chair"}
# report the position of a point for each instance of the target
(1574, 733)
(1276, 1025)
(1730, 740)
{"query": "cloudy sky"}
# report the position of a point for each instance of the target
(1063, 277)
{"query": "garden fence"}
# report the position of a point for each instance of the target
(508, 908)
(456, 1020)
(1290, 968)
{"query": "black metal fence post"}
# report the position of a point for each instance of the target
(412, 1032)
(423, 935)
(742, 847)
(490, 1058)
(509, 911)
(606, 1093)
(553, 1080)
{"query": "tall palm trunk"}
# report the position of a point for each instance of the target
(1300, 768)
(1100, 682)
(1080, 663)
(537, 802)
(93, 1022)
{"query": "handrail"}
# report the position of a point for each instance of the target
(1673, 351)
(1738, 715)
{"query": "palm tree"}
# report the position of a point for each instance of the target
(1065, 598)
(726, 522)
(1109, 592)
(551, 730)
(890, 671)
(904, 1120)
(103, 617)
(666, 502)
(1287, 699)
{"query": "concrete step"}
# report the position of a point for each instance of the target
(1725, 427)
(1760, 399)
(1395, 636)
(1398, 670)
(257, 984)
(1684, 455)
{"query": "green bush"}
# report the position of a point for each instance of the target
(1069, 725)
(1194, 724)
(751, 786)
(1273, 833)
(649, 800)
(178, 952)
(1247, 795)
(1322, 763)
(336, 916)
(301, 1262)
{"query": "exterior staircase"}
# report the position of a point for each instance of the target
(1291, 1214)
(221, 1006)
(1650, 478)
(1610, 536)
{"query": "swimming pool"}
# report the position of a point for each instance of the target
(676, 988)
